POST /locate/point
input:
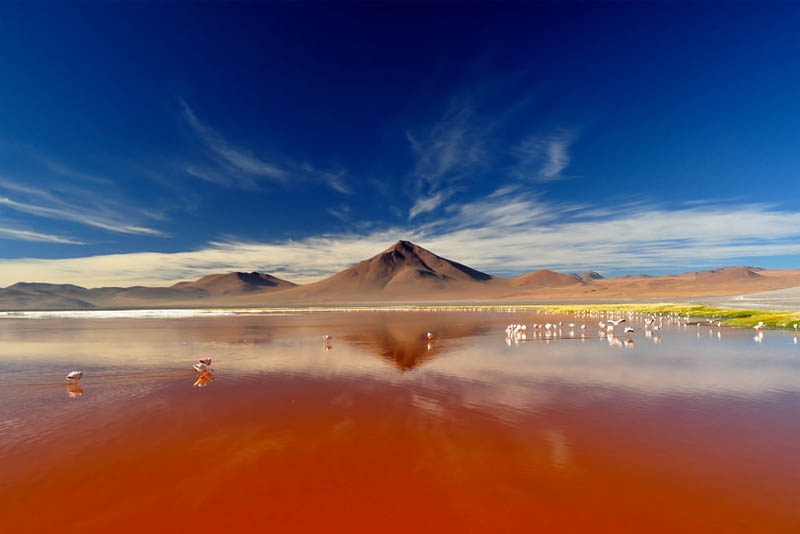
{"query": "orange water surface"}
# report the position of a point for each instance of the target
(383, 431)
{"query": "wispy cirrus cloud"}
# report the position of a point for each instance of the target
(461, 149)
(19, 234)
(506, 233)
(341, 212)
(448, 152)
(430, 202)
(82, 206)
(237, 167)
(233, 159)
(542, 159)
(450, 149)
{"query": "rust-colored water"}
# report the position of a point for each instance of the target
(383, 433)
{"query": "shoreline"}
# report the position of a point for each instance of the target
(731, 317)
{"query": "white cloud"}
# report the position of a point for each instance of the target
(452, 150)
(83, 206)
(28, 235)
(341, 212)
(428, 203)
(232, 157)
(542, 159)
(236, 167)
(509, 232)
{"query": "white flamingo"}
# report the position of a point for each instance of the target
(75, 375)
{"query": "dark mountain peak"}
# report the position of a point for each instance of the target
(590, 275)
(404, 266)
(402, 245)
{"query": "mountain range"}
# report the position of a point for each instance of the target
(404, 272)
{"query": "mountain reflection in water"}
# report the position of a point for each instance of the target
(388, 431)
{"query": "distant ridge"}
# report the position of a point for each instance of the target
(404, 272)
(737, 272)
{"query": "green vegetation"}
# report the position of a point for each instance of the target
(728, 316)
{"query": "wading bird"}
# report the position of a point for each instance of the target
(205, 361)
(326, 338)
(429, 335)
(75, 375)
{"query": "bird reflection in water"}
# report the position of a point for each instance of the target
(74, 391)
(203, 380)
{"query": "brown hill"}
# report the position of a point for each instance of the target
(725, 274)
(545, 278)
(216, 285)
(404, 269)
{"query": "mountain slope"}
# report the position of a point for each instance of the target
(402, 269)
(545, 278)
(588, 276)
(236, 283)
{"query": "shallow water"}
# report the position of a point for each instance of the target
(690, 429)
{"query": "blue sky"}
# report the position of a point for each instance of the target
(148, 144)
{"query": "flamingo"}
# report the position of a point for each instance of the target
(75, 375)
(205, 361)
(326, 338)
(616, 322)
(629, 330)
(429, 335)
(200, 367)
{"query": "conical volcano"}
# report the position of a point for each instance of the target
(403, 268)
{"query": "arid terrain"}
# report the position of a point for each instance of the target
(403, 273)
